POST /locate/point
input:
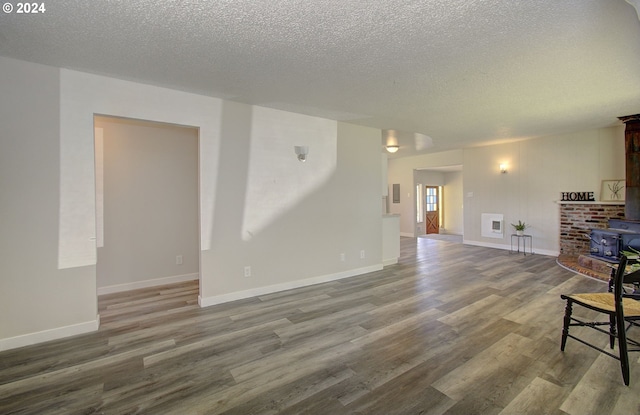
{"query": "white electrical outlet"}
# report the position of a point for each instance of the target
(178, 259)
(247, 271)
(343, 257)
(362, 254)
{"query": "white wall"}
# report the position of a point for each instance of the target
(49, 226)
(303, 245)
(35, 296)
(82, 96)
(538, 171)
(429, 178)
(453, 202)
(150, 204)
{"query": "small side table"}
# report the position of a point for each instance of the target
(524, 239)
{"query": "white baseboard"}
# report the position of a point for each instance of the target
(409, 235)
(254, 292)
(389, 261)
(47, 335)
(146, 283)
(508, 247)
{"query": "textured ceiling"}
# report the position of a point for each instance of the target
(460, 72)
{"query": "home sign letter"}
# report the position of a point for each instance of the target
(578, 197)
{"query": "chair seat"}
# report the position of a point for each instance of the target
(606, 302)
(620, 309)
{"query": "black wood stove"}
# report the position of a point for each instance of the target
(606, 244)
(622, 234)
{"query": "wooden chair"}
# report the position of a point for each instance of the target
(620, 308)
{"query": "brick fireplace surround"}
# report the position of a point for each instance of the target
(576, 220)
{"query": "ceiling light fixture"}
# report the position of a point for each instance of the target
(392, 148)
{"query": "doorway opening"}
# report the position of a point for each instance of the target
(438, 202)
(147, 204)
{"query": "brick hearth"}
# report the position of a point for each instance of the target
(586, 265)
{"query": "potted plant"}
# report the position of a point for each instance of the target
(520, 227)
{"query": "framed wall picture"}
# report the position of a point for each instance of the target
(612, 191)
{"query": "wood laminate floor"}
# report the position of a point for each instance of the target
(451, 329)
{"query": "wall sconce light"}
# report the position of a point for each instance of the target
(503, 168)
(392, 148)
(302, 152)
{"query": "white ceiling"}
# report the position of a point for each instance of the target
(458, 72)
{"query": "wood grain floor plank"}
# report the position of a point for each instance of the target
(247, 334)
(392, 362)
(414, 396)
(320, 348)
(325, 325)
(258, 379)
(275, 306)
(292, 394)
(480, 312)
(539, 397)
(602, 400)
(450, 329)
(486, 366)
(77, 400)
(53, 377)
(391, 329)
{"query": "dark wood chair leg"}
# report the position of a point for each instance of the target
(612, 330)
(567, 321)
(622, 347)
